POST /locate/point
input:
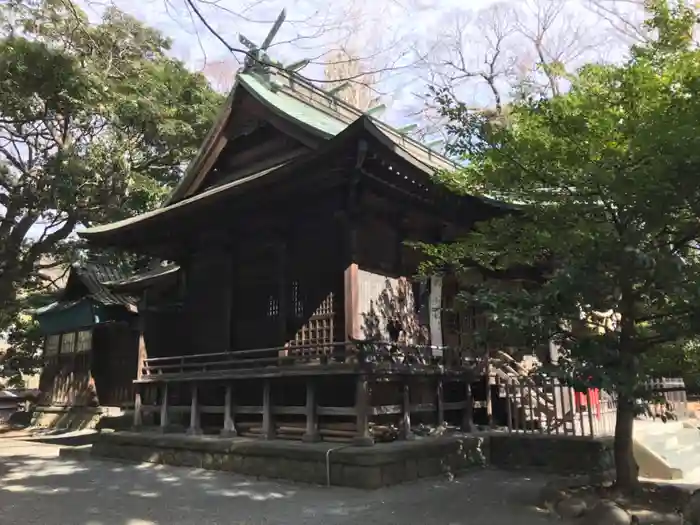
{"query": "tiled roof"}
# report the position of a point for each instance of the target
(93, 276)
(141, 278)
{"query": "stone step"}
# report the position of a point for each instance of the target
(81, 452)
(676, 443)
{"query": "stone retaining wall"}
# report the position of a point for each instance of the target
(360, 467)
(565, 455)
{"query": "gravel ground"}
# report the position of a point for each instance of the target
(38, 488)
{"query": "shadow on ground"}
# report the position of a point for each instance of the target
(38, 488)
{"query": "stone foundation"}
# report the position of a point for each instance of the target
(360, 467)
(566, 455)
(72, 418)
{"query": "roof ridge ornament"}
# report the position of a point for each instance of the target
(258, 61)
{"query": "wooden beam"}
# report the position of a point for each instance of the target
(142, 353)
(282, 274)
(195, 428)
(268, 426)
(468, 414)
(138, 420)
(311, 434)
(227, 301)
(406, 427)
(204, 168)
(229, 429)
(351, 298)
(164, 408)
(362, 410)
(440, 402)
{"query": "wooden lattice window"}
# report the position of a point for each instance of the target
(68, 343)
(273, 306)
(297, 301)
(52, 344)
(318, 330)
(84, 343)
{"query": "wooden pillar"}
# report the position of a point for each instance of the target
(311, 433)
(468, 413)
(138, 420)
(142, 351)
(350, 217)
(440, 402)
(268, 425)
(351, 294)
(362, 409)
(227, 300)
(195, 427)
(164, 408)
(282, 272)
(229, 429)
(489, 400)
(406, 427)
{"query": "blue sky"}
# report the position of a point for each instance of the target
(312, 27)
(378, 30)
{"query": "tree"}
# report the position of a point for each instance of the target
(96, 124)
(604, 175)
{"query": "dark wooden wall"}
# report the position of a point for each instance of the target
(114, 362)
(287, 288)
(207, 300)
(271, 278)
(102, 374)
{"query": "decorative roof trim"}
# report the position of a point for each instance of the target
(264, 89)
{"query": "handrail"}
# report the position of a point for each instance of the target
(247, 352)
(361, 352)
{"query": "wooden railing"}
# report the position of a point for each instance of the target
(546, 406)
(669, 398)
(357, 354)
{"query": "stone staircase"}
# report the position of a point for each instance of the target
(668, 450)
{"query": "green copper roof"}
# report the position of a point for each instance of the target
(290, 107)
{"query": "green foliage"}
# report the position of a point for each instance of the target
(605, 177)
(96, 124)
(25, 340)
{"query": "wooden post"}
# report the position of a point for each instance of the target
(572, 405)
(509, 405)
(406, 428)
(268, 426)
(311, 433)
(591, 431)
(468, 414)
(363, 437)
(489, 401)
(350, 248)
(142, 356)
(282, 270)
(229, 429)
(227, 301)
(138, 421)
(164, 408)
(351, 296)
(440, 402)
(195, 428)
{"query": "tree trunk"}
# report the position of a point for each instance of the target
(626, 470)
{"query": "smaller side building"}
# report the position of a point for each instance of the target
(93, 343)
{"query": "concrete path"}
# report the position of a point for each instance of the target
(38, 488)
